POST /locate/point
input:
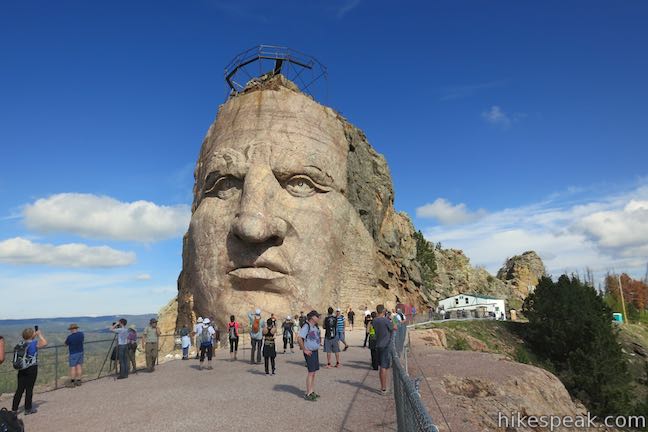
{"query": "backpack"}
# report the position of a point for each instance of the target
(21, 360)
(9, 422)
(331, 327)
(205, 337)
(232, 330)
(255, 325)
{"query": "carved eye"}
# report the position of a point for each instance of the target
(300, 186)
(223, 187)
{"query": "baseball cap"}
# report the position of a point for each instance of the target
(153, 320)
(258, 311)
(338, 310)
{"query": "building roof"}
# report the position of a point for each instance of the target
(482, 296)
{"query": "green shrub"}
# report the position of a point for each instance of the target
(521, 355)
(460, 344)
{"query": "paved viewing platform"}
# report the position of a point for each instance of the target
(234, 396)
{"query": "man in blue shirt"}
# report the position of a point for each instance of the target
(74, 342)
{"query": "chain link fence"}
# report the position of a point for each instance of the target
(411, 414)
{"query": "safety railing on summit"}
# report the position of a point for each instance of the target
(411, 414)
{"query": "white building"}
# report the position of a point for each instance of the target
(474, 305)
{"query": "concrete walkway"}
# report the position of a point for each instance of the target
(235, 396)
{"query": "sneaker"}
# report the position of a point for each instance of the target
(31, 411)
(311, 397)
(316, 395)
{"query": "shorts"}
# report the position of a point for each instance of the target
(384, 357)
(76, 359)
(312, 361)
(341, 336)
(331, 345)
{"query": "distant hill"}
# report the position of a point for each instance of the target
(55, 328)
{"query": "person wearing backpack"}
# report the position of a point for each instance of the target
(256, 335)
(233, 336)
(309, 342)
(26, 361)
(269, 350)
(287, 328)
(331, 341)
(206, 337)
(372, 343)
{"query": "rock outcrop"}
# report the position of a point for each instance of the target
(522, 273)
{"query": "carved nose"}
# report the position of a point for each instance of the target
(258, 228)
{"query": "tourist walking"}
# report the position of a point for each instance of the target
(150, 341)
(269, 350)
(185, 341)
(351, 316)
(367, 322)
(196, 334)
(132, 347)
(74, 342)
(256, 335)
(384, 329)
(119, 328)
(206, 338)
(309, 342)
(233, 336)
(26, 361)
(331, 340)
(341, 328)
(287, 330)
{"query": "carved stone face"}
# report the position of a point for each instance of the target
(271, 226)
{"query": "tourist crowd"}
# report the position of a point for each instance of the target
(379, 326)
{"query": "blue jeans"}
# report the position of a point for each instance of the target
(122, 355)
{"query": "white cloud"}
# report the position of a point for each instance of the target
(22, 251)
(497, 117)
(447, 214)
(102, 217)
(603, 233)
(347, 7)
(143, 277)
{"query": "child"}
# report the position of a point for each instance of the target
(269, 351)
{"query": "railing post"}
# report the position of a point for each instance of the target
(56, 366)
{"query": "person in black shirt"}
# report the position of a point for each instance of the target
(269, 350)
(367, 321)
(351, 316)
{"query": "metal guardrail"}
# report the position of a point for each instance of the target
(411, 414)
(53, 368)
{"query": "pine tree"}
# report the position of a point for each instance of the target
(571, 326)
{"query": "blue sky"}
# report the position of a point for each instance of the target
(508, 126)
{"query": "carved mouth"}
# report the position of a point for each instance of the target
(262, 273)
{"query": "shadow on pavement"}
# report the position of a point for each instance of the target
(289, 389)
(359, 385)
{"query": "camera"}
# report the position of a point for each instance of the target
(35, 328)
